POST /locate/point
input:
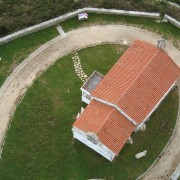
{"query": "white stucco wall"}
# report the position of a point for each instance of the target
(84, 96)
(99, 148)
(85, 100)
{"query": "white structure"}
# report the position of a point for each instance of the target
(141, 154)
(90, 85)
(89, 138)
(122, 101)
(82, 16)
(92, 141)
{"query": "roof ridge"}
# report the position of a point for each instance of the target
(106, 117)
(158, 50)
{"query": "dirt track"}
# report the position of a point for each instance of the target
(24, 75)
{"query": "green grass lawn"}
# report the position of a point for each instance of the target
(167, 30)
(40, 145)
(16, 51)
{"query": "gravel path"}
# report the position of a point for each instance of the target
(78, 68)
(24, 75)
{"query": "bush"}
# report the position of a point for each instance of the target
(3, 30)
(175, 1)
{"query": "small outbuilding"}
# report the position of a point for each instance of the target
(90, 85)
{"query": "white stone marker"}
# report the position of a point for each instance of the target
(141, 154)
(82, 109)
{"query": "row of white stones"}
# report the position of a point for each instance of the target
(78, 68)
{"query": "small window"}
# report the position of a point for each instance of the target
(92, 137)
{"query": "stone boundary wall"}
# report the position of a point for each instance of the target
(122, 12)
(172, 20)
(64, 17)
(59, 19)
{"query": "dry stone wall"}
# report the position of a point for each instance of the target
(38, 27)
(59, 19)
(172, 20)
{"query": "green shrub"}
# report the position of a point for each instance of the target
(3, 30)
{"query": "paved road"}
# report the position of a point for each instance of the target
(24, 75)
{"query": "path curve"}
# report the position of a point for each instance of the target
(167, 163)
(33, 66)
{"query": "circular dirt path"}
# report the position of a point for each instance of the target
(23, 76)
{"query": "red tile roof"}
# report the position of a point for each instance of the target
(112, 128)
(138, 81)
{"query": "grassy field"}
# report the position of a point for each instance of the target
(166, 30)
(16, 51)
(39, 144)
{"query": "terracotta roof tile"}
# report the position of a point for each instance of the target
(93, 117)
(136, 83)
(138, 80)
(112, 128)
(115, 131)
